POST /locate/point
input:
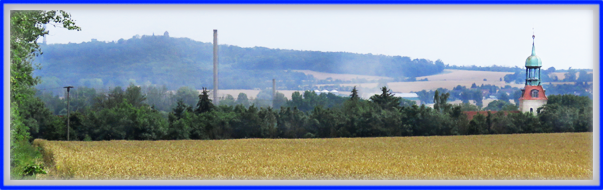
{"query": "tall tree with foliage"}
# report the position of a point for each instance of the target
(204, 104)
(441, 102)
(354, 95)
(25, 29)
(386, 100)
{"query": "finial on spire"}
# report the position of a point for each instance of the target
(533, 37)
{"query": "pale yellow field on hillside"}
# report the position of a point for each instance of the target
(561, 75)
(465, 75)
(518, 156)
(449, 79)
(344, 77)
(427, 85)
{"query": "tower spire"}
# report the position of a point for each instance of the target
(533, 48)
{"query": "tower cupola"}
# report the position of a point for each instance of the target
(533, 64)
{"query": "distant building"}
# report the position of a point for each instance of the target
(532, 95)
(166, 34)
(485, 92)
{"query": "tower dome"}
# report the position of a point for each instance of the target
(533, 60)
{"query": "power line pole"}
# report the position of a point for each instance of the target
(68, 87)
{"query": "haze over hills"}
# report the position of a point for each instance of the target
(177, 62)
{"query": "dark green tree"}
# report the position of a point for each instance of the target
(441, 102)
(354, 96)
(386, 100)
(204, 104)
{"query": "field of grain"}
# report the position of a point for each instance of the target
(518, 156)
(449, 79)
(424, 85)
(465, 75)
(561, 75)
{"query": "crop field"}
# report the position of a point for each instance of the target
(343, 77)
(465, 75)
(518, 156)
(426, 85)
(449, 79)
(561, 75)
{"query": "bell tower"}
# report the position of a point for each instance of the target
(533, 95)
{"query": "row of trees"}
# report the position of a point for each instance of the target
(547, 75)
(124, 115)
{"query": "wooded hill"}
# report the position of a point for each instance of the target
(177, 62)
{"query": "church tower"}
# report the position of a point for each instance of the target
(532, 96)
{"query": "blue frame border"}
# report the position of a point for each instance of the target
(444, 2)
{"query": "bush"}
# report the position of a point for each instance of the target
(24, 160)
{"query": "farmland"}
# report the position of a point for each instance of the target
(561, 75)
(449, 79)
(343, 77)
(517, 156)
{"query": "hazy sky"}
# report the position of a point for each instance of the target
(458, 35)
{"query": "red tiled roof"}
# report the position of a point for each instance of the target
(528, 96)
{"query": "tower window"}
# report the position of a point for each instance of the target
(531, 110)
(534, 93)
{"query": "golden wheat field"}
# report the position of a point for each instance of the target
(518, 156)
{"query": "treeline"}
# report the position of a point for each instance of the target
(176, 62)
(548, 76)
(474, 93)
(124, 115)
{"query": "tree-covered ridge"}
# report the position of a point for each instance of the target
(179, 62)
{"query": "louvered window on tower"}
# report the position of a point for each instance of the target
(534, 93)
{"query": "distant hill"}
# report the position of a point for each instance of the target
(176, 62)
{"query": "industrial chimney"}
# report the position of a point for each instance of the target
(273, 91)
(216, 102)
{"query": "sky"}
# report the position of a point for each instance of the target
(482, 35)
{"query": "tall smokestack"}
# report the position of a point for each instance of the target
(273, 91)
(216, 102)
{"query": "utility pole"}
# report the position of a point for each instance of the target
(68, 87)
